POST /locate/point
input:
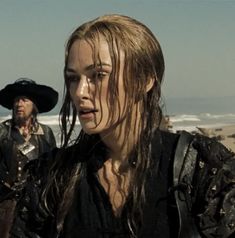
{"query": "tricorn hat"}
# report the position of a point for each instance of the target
(44, 97)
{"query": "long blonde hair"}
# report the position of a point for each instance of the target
(143, 60)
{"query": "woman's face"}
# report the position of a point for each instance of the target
(88, 85)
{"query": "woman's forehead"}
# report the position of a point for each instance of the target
(85, 53)
(83, 50)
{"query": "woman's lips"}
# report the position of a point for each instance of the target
(85, 115)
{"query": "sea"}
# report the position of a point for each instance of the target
(184, 113)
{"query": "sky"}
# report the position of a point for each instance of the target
(197, 38)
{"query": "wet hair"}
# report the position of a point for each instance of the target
(143, 62)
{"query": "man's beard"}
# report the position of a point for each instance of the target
(20, 120)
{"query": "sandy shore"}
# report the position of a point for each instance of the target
(225, 134)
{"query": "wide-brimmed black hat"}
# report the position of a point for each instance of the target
(44, 97)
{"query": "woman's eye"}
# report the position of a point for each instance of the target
(72, 78)
(99, 75)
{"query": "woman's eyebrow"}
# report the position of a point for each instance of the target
(89, 67)
(93, 66)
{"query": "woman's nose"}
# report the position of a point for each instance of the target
(83, 88)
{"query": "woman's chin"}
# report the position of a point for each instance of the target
(91, 130)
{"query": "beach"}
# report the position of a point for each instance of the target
(224, 134)
(220, 126)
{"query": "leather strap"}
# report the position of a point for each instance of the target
(184, 165)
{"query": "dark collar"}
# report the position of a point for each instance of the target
(98, 153)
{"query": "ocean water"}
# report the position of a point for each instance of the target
(190, 113)
(190, 122)
(185, 114)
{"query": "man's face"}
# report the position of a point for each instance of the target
(22, 108)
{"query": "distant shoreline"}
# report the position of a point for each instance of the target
(176, 105)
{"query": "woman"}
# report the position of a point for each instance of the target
(123, 177)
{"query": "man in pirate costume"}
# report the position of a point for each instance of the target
(22, 141)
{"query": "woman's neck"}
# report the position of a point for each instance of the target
(116, 173)
(120, 141)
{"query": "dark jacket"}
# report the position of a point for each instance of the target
(17, 157)
(191, 194)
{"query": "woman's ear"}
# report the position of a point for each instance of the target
(150, 84)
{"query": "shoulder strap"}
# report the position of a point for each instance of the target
(183, 170)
